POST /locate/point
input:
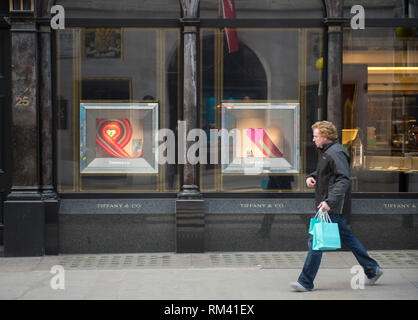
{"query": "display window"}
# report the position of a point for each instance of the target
(383, 9)
(116, 87)
(265, 87)
(273, 9)
(123, 9)
(380, 102)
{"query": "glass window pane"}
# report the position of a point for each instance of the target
(116, 88)
(375, 9)
(265, 87)
(121, 8)
(381, 108)
(17, 5)
(27, 5)
(261, 9)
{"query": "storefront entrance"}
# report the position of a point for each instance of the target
(140, 127)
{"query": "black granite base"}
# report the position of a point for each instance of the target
(116, 233)
(269, 232)
(116, 225)
(150, 225)
(386, 231)
(289, 232)
(51, 227)
(190, 226)
(24, 228)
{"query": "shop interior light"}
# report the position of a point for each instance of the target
(392, 69)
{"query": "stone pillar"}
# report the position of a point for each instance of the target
(23, 214)
(189, 205)
(334, 21)
(49, 195)
(190, 116)
(46, 115)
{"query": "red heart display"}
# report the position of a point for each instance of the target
(113, 135)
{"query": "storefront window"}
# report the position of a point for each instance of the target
(120, 8)
(261, 9)
(375, 9)
(116, 87)
(380, 99)
(265, 86)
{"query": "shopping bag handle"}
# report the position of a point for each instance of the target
(319, 213)
(323, 215)
(327, 217)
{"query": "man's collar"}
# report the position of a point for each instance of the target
(327, 145)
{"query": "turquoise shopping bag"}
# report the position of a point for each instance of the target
(318, 217)
(312, 224)
(326, 235)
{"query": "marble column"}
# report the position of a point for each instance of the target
(25, 168)
(24, 211)
(189, 205)
(334, 21)
(48, 193)
(190, 187)
(46, 115)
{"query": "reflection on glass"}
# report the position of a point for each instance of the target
(262, 8)
(380, 102)
(271, 69)
(123, 79)
(120, 9)
(376, 9)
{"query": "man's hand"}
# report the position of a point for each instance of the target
(310, 182)
(324, 206)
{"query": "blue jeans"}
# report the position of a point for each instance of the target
(313, 260)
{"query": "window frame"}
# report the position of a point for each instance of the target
(221, 23)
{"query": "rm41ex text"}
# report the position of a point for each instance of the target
(224, 309)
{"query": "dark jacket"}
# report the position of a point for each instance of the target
(332, 176)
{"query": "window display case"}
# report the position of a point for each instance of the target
(118, 138)
(351, 140)
(265, 138)
(392, 143)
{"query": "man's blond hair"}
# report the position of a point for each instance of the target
(326, 129)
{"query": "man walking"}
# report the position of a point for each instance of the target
(331, 181)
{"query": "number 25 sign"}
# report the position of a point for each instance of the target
(22, 101)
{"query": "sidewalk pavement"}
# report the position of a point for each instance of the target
(207, 276)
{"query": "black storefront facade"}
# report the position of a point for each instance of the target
(137, 68)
